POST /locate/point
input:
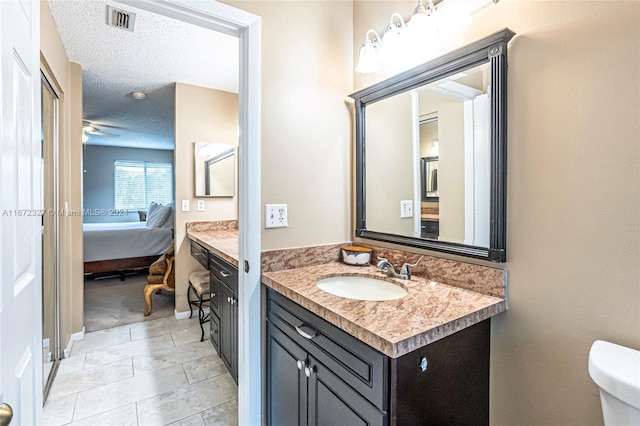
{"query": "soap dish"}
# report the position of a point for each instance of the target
(355, 255)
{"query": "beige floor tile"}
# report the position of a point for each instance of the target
(140, 347)
(222, 415)
(101, 339)
(172, 356)
(67, 383)
(186, 401)
(121, 416)
(74, 363)
(204, 368)
(195, 420)
(190, 335)
(58, 411)
(146, 385)
(147, 329)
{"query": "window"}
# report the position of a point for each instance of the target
(138, 183)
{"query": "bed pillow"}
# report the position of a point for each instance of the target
(170, 218)
(152, 206)
(158, 216)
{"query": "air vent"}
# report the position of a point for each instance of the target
(120, 18)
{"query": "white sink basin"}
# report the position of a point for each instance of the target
(361, 288)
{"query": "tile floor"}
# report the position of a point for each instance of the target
(149, 373)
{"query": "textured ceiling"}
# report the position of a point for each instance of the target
(159, 52)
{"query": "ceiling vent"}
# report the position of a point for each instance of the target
(120, 18)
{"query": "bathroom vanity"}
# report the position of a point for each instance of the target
(223, 279)
(419, 359)
(318, 374)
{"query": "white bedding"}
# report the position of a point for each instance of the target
(120, 240)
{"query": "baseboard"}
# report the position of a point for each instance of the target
(75, 336)
(181, 315)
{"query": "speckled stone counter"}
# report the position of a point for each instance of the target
(220, 238)
(430, 311)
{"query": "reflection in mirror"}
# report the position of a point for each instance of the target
(434, 138)
(215, 169)
(451, 150)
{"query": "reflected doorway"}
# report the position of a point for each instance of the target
(51, 353)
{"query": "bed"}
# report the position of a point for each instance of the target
(121, 246)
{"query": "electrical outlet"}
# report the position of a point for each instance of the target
(200, 205)
(406, 208)
(275, 216)
(185, 205)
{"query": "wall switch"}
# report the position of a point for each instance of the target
(185, 205)
(200, 205)
(275, 216)
(406, 208)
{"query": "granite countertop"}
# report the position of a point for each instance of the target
(223, 242)
(430, 311)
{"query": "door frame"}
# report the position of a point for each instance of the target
(247, 28)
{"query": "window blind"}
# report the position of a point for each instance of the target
(138, 183)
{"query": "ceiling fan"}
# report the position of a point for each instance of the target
(90, 128)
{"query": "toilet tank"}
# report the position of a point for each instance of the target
(616, 370)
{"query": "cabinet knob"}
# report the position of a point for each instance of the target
(308, 371)
(300, 364)
(229, 299)
(423, 364)
(213, 295)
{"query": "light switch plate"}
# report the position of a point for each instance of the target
(185, 205)
(275, 216)
(406, 208)
(200, 205)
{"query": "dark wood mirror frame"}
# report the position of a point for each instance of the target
(492, 49)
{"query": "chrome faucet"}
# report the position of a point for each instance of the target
(388, 269)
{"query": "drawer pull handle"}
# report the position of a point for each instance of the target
(308, 371)
(225, 274)
(310, 333)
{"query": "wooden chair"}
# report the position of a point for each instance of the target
(162, 276)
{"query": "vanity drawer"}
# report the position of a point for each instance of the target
(224, 271)
(360, 366)
(200, 253)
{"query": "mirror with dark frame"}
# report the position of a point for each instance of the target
(215, 169)
(434, 138)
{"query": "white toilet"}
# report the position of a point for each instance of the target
(616, 370)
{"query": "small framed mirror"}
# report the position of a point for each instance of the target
(434, 137)
(215, 169)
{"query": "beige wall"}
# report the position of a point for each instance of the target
(573, 198)
(66, 78)
(306, 129)
(200, 115)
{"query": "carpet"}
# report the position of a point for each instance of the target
(110, 302)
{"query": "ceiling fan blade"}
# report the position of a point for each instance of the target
(98, 132)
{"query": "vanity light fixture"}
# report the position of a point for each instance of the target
(368, 61)
(425, 22)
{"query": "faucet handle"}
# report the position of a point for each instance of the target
(382, 261)
(405, 267)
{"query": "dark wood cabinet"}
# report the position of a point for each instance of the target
(229, 330)
(223, 292)
(302, 391)
(319, 375)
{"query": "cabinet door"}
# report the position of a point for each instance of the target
(286, 381)
(332, 402)
(226, 323)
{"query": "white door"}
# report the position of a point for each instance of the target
(20, 221)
